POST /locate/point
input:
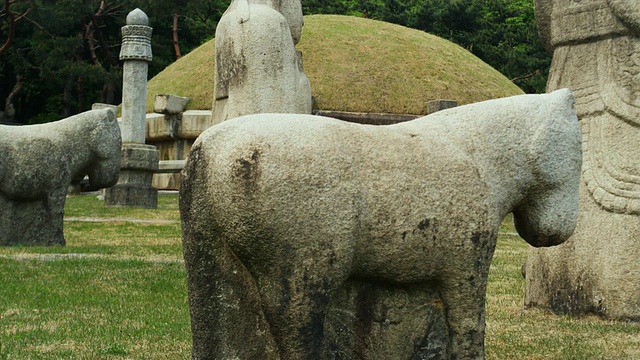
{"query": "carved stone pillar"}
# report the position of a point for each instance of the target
(139, 161)
(596, 52)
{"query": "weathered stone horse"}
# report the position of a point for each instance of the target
(39, 162)
(278, 211)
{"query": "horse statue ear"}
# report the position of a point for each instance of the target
(556, 148)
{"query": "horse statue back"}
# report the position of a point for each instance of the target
(279, 211)
(38, 164)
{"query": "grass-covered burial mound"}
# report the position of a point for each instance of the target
(359, 65)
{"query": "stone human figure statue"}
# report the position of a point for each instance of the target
(596, 52)
(258, 69)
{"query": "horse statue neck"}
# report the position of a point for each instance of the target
(517, 143)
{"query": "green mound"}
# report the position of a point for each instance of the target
(359, 65)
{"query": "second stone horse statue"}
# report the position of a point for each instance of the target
(37, 165)
(279, 211)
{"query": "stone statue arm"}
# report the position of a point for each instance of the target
(542, 10)
(628, 11)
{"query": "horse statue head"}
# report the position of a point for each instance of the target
(104, 167)
(548, 213)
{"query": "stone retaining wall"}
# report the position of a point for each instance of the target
(174, 135)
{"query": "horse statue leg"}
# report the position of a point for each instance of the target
(55, 206)
(465, 301)
(226, 315)
(295, 311)
(295, 294)
(463, 292)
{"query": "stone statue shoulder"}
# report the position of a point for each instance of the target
(244, 28)
(567, 22)
(543, 9)
(628, 11)
(255, 50)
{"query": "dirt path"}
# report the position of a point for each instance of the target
(57, 257)
(139, 221)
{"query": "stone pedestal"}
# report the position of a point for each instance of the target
(139, 162)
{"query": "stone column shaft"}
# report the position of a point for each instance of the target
(134, 100)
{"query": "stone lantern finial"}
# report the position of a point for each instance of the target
(136, 37)
(137, 17)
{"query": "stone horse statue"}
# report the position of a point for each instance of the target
(278, 211)
(38, 164)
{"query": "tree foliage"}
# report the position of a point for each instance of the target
(64, 54)
(57, 57)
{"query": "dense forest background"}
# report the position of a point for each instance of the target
(57, 57)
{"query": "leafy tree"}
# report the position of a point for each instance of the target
(504, 34)
(196, 22)
(343, 7)
(65, 54)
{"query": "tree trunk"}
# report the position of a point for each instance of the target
(104, 46)
(12, 26)
(81, 95)
(66, 98)
(108, 93)
(9, 113)
(92, 46)
(176, 46)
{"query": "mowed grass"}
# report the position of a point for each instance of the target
(118, 291)
(516, 333)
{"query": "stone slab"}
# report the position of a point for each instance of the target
(169, 104)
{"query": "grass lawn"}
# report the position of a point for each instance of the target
(118, 291)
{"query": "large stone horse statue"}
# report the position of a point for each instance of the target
(278, 211)
(38, 164)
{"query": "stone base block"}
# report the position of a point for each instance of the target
(439, 105)
(139, 157)
(380, 321)
(131, 195)
(169, 104)
(134, 189)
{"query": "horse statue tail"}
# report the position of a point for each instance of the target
(223, 295)
(243, 11)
